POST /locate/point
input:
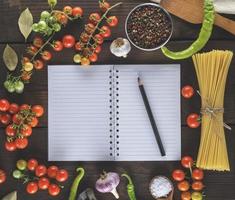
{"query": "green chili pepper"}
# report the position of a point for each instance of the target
(74, 188)
(130, 187)
(204, 36)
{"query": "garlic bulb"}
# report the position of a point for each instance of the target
(120, 47)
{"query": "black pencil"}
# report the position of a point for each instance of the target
(151, 118)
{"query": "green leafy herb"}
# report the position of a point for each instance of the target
(25, 23)
(10, 58)
(11, 196)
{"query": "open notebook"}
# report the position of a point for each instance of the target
(98, 114)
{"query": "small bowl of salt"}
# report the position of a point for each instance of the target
(161, 188)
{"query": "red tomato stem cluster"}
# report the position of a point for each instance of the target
(19, 121)
(39, 177)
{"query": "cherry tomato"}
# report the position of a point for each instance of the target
(38, 110)
(93, 57)
(52, 171)
(187, 91)
(5, 119)
(10, 130)
(21, 164)
(62, 175)
(77, 12)
(32, 50)
(196, 196)
(14, 108)
(32, 164)
(53, 189)
(94, 18)
(178, 175)
(99, 39)
(193, 120)
(183, 186)
(185, 196)
(21, 143)
(68, 10)
(28, 67)
(105, 31)
(104, 6)
(4, 105)
(68, 41)
(197, 185)
(16, 119)
(24, 107)
(98, 49)
(84, 37)
(38, 64)
(34, 122)
(26, 130)
(32, 187)
(2, 176)
(43, 183)
(58, 45)
(46, 55)
(85, 61)
(25, 76)
(10, 146)
(89, 28)
(78, 46)
(25, 60)
(63, 19)
(37, 42)
(187, 162)
(40, 170)
(197, 174)
(112, 21)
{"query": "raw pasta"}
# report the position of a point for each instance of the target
(212, 69)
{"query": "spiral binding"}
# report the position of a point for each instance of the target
(111, 114)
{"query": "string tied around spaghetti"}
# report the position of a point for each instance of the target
(212, 112)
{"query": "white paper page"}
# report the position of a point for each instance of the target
(79, 113)
(136, 140)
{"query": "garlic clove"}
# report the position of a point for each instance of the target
(115, 193)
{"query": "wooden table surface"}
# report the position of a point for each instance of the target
(219, 186)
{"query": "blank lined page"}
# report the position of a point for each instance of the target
(79, 113)
(136, 140)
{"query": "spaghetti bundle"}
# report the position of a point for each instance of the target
(212, 70)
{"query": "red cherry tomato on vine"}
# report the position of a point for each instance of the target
(10, 146)
(38, 64)
(105, 31)
(46, 55)
(25, 76)
(25, 60)
(183, 186)
(2, 176)
(38, 110)
(97, 49)
(187, 91)
(32, 50)
(40, 170)
(24, 107)
(193, 120)
(85, 61)
(10, 130)
(53, 189)
(112, 21)
(37, 42)
(62, 175)
(93, 57)
(187, 161)
(178, 175)
(197, 186)
(185, 196)
(78, 46)
(26, 130)
(58, 45)
(104, 6)
(98, 39)
(14, 108)
(32, 187)
(43, 183)
(68, 10)
(16, 119)
(52, 171)
(21, 143)
(197, 174)
(68, 41)
(89, 28)
(4, 105)
(94, 18)
(32, 164)
(77, 12)
(84, 37)
(5, 119)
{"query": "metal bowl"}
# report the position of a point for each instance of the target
(164, 11)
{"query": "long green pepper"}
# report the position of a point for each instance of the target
(74, 188)
(130, 187)
(204, 36)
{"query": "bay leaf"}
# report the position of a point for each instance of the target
(11, 196)
(25, 23)
(10, 58)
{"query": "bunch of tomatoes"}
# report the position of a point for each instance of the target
(38, 176)
(193, 120)
(19, 121)
(190, 187)
(89, 45)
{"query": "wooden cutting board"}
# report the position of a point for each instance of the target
(192, 11)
